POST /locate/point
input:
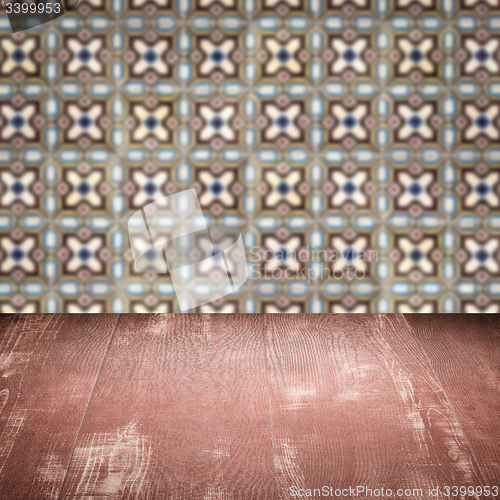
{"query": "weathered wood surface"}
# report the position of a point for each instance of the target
(181, 410)
(464, 352)
(48, 368)
(355, 403)
(245, 406)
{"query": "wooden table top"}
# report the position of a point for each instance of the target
(215, 406)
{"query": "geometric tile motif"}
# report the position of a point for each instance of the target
(346, 127)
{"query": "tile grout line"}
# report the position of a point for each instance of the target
(452, 409)
(88, 405)
(270, 412)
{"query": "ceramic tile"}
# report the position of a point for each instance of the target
(357, 127)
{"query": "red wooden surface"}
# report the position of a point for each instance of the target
(181, 410)
(246, 406)
(48, 368)
(464, 352)
(354, 403)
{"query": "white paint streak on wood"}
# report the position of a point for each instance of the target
(287, 463)
(8, 437)
(300, 397)
(213, 493)
(50, 475)
(4, 397)
(114, 465)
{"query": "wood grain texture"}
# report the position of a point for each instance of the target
(355, 403)
(48, 368)
(180, 411)
(464, 352)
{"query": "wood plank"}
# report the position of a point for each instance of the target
(181, 410)
(354, 403)
(464, 352)
(48, 368)
(6, 321)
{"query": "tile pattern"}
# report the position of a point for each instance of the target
(308, 124)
